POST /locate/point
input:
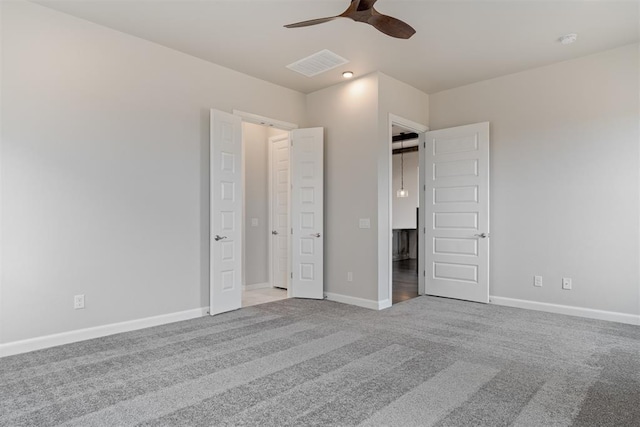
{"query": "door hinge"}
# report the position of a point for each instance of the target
(424, 273)
(292, 230)
(292, 274)
(424, 144)
(424, 187)
(424, 230)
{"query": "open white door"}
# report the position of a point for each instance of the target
(456, 213)
(307, 204)
(279, 205)
(226, 213)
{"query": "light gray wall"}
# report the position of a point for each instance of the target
(564, 177)
(105, 166)
(348, 112)
(404, 208)
(256, 199)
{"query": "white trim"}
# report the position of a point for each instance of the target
(264, 121)
(2, 148)
(243, 227)
(386, 303)
(270, 208)
(590, 313)
(638, 266)
(422, 206)
(255, 286)
(23, 346)
(401, 121)
(360, 302)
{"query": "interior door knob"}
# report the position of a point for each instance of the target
(315, 235)
(275, 232)
(219, 237)
(482, 235)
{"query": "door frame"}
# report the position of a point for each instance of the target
(271, 141)
(385, 256)
(265, 121)
(268, 122)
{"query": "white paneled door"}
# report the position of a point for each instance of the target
(457, 212)
(226, 212)
(279, 152)
(307, 204)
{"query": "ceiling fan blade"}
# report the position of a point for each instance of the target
(391, 26)
(366, 4)
(311, 22)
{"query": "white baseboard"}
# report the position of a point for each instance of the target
(360, 302)
(590, 313)
(254, 286)
(38, 343)
(384, 304)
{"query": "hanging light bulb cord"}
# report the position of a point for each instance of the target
(402, 167)
(402, 192)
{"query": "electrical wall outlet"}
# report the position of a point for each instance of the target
(537, 281)
(566, 283)
(364, 223)
(349, 276)
(254, 222)
(78, 302)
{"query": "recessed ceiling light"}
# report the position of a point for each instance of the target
(568, 38)
(347, 74)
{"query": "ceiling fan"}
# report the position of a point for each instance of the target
(363, 11)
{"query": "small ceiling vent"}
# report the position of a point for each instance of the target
(317, 63)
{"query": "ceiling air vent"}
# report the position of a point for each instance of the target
(317, 63)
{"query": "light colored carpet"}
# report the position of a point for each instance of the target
(423, 362)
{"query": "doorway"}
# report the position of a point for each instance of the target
(266, 213)
(229, 219)
(405, 216)
(453, 217)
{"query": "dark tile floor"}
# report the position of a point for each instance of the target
(405, 280)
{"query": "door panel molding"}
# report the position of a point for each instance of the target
(307, 213)
(456, 212)
(226, 206)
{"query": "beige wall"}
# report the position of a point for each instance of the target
(105, 166)
(564, 178)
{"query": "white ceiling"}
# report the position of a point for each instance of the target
(457, 42)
